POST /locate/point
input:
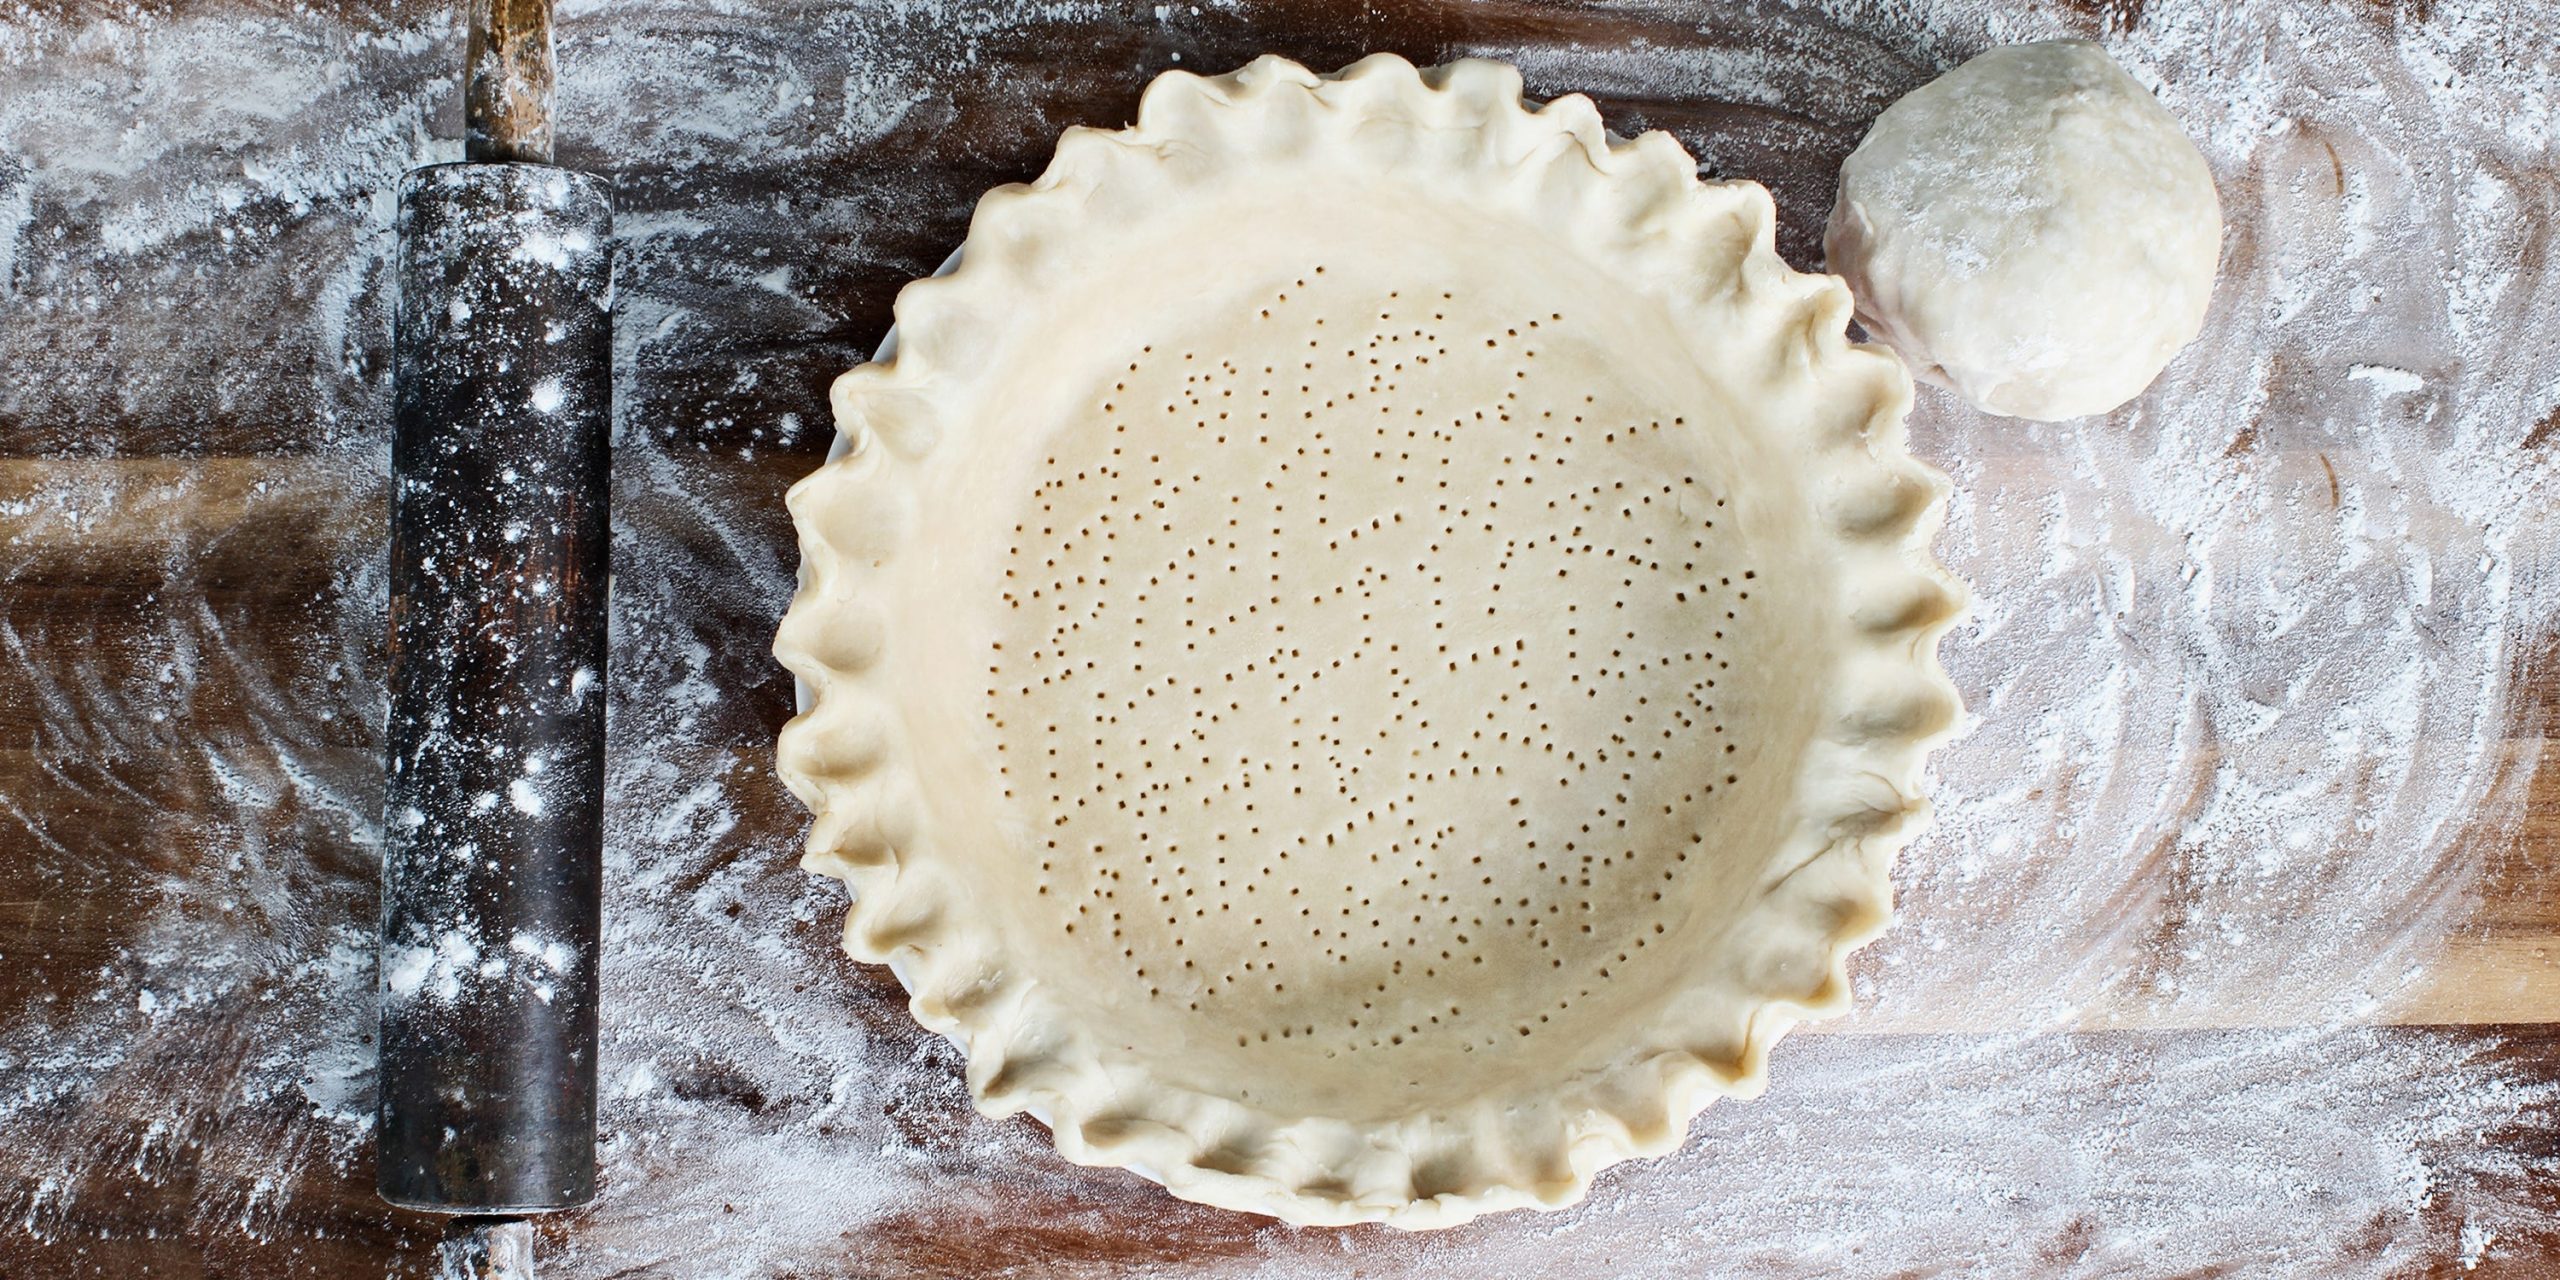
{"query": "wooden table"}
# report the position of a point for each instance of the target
(193, 409)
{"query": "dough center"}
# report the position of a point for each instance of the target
(1345, 679)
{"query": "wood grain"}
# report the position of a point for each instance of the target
(191, 517)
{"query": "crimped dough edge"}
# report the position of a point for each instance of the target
(1638, 206)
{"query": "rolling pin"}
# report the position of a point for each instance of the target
(494, 769)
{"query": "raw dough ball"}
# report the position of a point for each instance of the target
(2032, 230)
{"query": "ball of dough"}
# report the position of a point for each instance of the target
(2032, 230)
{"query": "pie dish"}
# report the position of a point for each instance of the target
(1372, 646)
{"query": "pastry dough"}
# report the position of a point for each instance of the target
(2031, 230)
(1373, 646)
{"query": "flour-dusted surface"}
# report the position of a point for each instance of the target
(2260, 667)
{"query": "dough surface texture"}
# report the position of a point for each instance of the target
(1372, 647)
(2032, 230)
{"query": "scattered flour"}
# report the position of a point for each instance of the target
(2241, 751)
(2385, 379)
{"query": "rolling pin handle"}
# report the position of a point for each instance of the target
(485, 1249)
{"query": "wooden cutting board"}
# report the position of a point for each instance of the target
(192, 501)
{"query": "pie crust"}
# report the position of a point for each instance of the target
(1373, 647)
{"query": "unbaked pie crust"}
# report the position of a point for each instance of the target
(1373, 647)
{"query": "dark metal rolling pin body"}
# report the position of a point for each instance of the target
(492, 873)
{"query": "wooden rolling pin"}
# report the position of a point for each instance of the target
(492, 862)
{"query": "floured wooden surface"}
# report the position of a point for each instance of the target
(2257, 686)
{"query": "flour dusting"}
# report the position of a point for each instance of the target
(2243, 752)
